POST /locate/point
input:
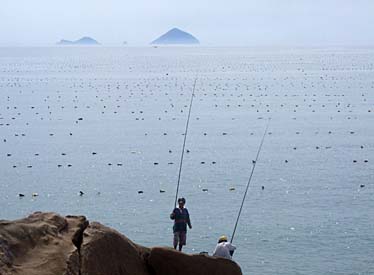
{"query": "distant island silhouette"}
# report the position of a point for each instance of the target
(83, 41)
(176, 36)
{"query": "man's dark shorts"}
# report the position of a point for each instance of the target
(180, 237)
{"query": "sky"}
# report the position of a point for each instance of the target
(214, 23)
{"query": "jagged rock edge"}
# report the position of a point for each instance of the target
(77, 240)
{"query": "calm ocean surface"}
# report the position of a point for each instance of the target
(110, 122)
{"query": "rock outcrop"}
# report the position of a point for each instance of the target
(43, 243)
(105, 251)
(170, 262)
(49, 244)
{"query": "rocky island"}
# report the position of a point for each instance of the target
(83, 41)
(47, 243)
(176, 36)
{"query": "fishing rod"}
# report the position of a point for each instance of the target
(184, 141)
(249, 180)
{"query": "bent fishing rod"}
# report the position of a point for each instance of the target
(249, 180)
(184, 141)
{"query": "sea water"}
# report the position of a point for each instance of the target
(110, 122)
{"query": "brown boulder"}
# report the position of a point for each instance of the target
(48, 244)
(41, 244)
(167, 261)
(105, 251)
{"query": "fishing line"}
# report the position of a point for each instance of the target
(184, 141)
(249, 181)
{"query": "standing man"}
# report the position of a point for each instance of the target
(224, 248)
(181, 220)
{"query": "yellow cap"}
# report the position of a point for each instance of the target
(222, 239)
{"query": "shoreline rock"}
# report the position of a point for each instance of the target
(47, 243)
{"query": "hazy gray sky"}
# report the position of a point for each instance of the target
(218, 22)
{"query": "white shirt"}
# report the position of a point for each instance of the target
(223, 250)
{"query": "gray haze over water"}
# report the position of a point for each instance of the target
(110, 122)
(219, 22)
